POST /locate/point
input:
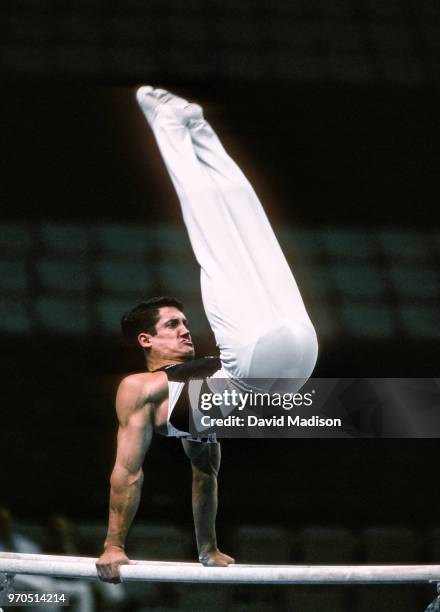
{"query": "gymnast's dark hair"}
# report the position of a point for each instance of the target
(144, 316)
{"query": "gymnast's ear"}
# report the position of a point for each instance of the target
(144, 340)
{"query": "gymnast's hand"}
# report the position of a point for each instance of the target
(108, 564)
(215, 558)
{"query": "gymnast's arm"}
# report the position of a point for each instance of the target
(135, 402)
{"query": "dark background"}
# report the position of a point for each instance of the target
(332, 111)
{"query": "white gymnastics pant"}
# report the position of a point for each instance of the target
(250, 297)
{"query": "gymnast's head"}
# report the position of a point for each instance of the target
(160, 328)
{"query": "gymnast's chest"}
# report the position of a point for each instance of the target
(166, 406)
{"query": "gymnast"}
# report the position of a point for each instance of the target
(253, 306)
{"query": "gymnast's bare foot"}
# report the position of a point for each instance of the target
(215, 558)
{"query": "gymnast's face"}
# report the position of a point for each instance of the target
(172, 339)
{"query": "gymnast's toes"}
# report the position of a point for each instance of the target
(147, 101)
(144, 93)
(154, 100)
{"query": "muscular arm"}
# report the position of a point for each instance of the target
(134, 407)
(205, 462)
(126, 480)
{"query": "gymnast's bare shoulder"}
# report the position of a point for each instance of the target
(137, 393)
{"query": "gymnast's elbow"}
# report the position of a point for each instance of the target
(122, 479)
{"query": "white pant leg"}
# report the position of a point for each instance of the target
(266, 255)
(250, 296)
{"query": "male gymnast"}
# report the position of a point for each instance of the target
(252, 303)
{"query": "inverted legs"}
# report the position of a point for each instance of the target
(249, 294)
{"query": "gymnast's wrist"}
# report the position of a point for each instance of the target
(114, 543)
